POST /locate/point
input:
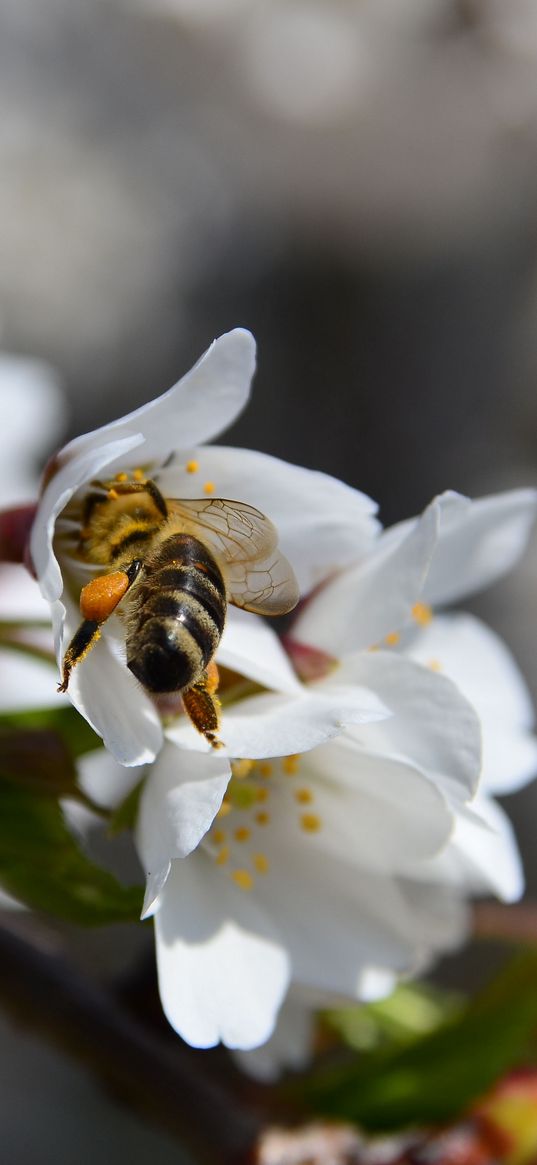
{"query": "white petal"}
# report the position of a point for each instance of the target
(199, 406)
(31, 409)
(336, 924)
(322, 523)
(105, 692)
(251, 648)
(483, 857)
(289, 1046)
(222, 971)
(432, 723)
(180, 799)
(379, 811)
(364, 603)
(478, 542)
(104, 780)
(485, 671)
(73, 472)
(20, 597)
(280, 725)
(27, 683)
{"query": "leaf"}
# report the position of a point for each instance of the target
(434, 1078)
(41, 863)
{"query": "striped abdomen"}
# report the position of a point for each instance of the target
(175, 627)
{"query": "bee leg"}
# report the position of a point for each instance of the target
(97, 602)
(203, 706)
(82, 642)
(139, 487)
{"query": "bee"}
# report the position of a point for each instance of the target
(176, 563)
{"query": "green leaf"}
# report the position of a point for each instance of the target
(41, 863)
(66, 722)
(434, 1078)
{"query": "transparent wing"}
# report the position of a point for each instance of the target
(237, 532)
(259, 578)
(268, 586)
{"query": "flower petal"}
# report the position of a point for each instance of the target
(381, 812)
(484, 670)
(223, 973)
(483, 856)
(180, 799)
(70, 476)
(108, 696)
(322, 523)
(432, 724)
(479, 541)
(275, 724)
(251, 648)
(361, 605)
(105, 780)
(204, 402)
(290, 1044)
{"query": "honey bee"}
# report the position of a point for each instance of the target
(177, 563)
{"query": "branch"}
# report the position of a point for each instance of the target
(162, 1081)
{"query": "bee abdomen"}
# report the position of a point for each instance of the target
(180, 616)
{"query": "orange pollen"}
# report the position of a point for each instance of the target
(392, 639)
(242, 833)
(192, 466)
(261, 863)
(101, 596)
(422, 613)
(112, 495)
(243, 879)
(304, 796)
(290, 765)
(262, 817)
(138, 475)
(310, 822)
(209, 487)
(122, 477)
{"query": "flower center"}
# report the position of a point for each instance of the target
(258, 794)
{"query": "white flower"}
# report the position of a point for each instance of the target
(341, 869)
(320, 521)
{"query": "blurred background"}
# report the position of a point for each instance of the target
(355, 181)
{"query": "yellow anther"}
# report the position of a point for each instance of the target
(121, 477)
(262, 794)
(392, 639)
(243, 879)
(310, 822)
(242, 833)
(290, 765)
(435, 665)
(304, 796)
(224, 809)
(209, 487)
(218, 836)
(192, 466)
(138, 474)
(265, 769)
(112, 495)
(261, 863)
(222, 856)
(242, 768)
(422, 613)
(262, 817)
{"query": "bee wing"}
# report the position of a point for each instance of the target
(259, 578)
(267, 586)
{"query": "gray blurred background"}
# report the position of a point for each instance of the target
(355, 181)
